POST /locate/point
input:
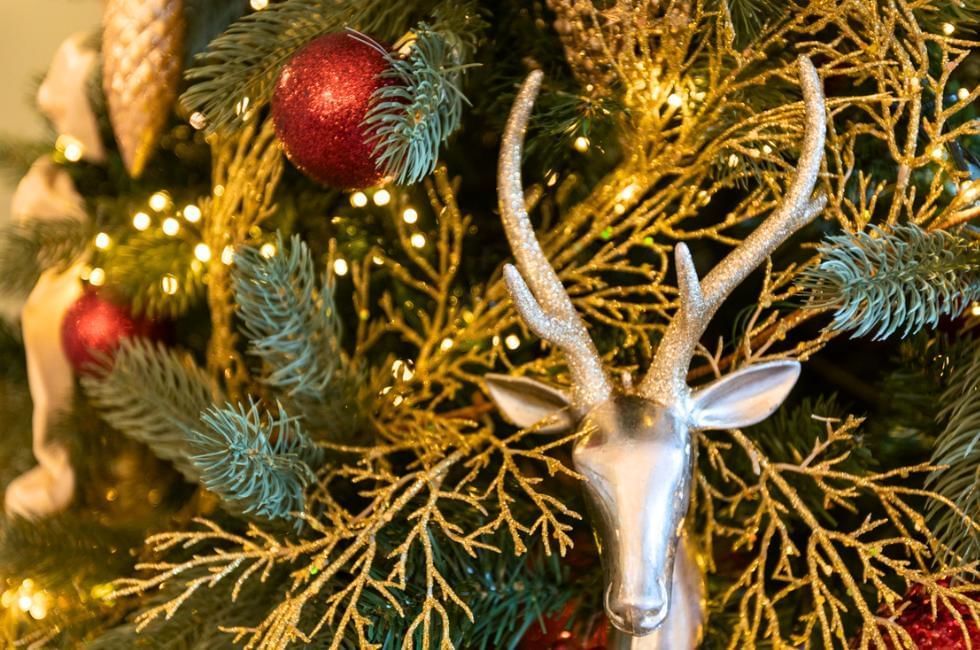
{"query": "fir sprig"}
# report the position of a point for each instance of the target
(291, 323)
(139, 265)
(154, 395)
(957, 449)
(258, 463)
(28, 248)
(899, 281)
(411, 118)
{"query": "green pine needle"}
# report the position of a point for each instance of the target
(291, 323)
(411, 118)
(29, 248)
(259, 464)
(958, 448)
(882, 283)
(154, 395)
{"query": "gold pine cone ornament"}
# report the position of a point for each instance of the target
(142, 51)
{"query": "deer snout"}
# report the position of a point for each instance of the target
(638, 615)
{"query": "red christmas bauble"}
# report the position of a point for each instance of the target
(939, 632)
(319, 104)
(557, 636)
(95, 325)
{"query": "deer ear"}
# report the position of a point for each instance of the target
(525, 402)
(744, 397)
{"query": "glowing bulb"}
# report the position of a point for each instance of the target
(227, 255)
(936, 153)
(962, 93)
(192, 213)
(446, 345)
(198, 121)
(102, 241)
(202, 252)
(382, 197)
(159, 201)
(259, 5)
(340, 266)
(675, 100)
(171, 226)
(39, 608)
(948, 29)
(581, 144)
(141, 221)
(733, 160)
(418, 240)
(358, 199)
(267, 250)
(410, 215)
(169, 284)
(25, 602)
(378, 260)
(70, 147)
(96, 277)
(512, 342)
(975, 309)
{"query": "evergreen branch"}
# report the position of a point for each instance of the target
(957, 451)
(155, 396)
(881, 283)
(65, 550)
(245, 60)
(139, 265)
(292, 325)
(28, 248)
(18, 154)
(410, 118)
(258, 463)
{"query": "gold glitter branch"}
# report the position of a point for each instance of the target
(752, 514)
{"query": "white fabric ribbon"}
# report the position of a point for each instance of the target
(47, 192)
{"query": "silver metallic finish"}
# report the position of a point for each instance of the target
(684, 627)
(637, 459)
(537, 292)
(665, 380)
(637, 450)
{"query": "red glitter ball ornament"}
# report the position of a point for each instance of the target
(95, 325)
(319, 104)
(939, 632)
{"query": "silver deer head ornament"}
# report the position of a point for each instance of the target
(637, 448)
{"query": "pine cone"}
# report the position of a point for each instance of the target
(142, 49)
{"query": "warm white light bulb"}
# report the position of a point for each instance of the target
(581, 144)
(141, 221)
(340, 266)
(96, 277)
(358, 199)
(159, 201)
(169, 284)
(102, 241)
(382, 197)
(418, 240)
(192, 213)
(171, 226)
(202, 252)
(410, 215)
(512, 342)
(267, 250)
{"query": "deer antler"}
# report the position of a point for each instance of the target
(665, 380)
(536, 290)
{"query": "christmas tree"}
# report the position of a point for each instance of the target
(514, 324)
